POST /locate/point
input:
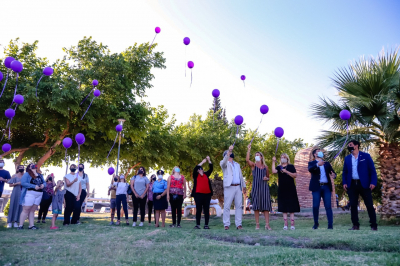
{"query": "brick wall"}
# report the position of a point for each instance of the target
(303, 179)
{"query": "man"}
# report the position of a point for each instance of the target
(359, 178)
(321, 186)
(4, 176)
(234, 186)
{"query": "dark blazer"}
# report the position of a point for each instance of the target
(313, 168)
(366, 170)
(195, 174)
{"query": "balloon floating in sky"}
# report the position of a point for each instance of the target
(157, 30)
(190, 65)
(118, 128)
(7, 63)
(6, 147)
(278, 133)
(110, 170)
(263, 110)
(238, 122)
(19, 99)
(47, 71)
(215, 94)
(67, 143)
(243, 77)
(17, 67)
(345, 115)
(80, 139)
(9, 113)
(96, 94)
(186, 42)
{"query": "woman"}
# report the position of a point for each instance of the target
(202, 192)
(287, 194)
(46, 198)
(260, 196)
(121, 197)
(159, 198)
(84, 186)
(150, 198)
(57, 202)
(176, 193)
(72, 196)
(14, 212)
(139, 186)
(32, 190)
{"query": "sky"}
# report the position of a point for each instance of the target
(288, 50)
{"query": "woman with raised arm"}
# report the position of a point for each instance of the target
(260, 189)
(202, 192)
(46, 198)
(287, 194)
(176, 193)
(139, 186)
(72, 196)
(15, 209)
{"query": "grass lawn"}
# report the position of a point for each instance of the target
(96, 243)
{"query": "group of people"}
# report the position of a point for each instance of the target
(31, 190)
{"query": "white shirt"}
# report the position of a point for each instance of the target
(354, 165)
(322, 178)
(235, 172)
(74, 188)
(122, 188)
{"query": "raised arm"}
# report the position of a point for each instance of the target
(313, 166)
(250, 163)
(211, 167)
(224, 162)
(274, 171)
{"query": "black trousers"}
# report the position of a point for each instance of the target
(44, 208)
(354, 191)
(176, 202)
(121, 199)
(150, 210)
(139, 203)
(202, 204)
(71, 206)
(81, 200)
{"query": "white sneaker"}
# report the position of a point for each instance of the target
(134, 224)
(292, 228)
(15, 225)
(141, 224)
(285, 227)
(9, 225)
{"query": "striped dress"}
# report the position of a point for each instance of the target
(260, 196)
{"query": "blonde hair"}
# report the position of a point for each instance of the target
(262, 155)
(286, 156)
(173, 169)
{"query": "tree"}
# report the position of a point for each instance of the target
(370, 89)
(218, 110)
(39, 127)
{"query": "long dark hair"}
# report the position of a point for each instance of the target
(83, 177)
(29, 170)
(144, 170)
(18, 166)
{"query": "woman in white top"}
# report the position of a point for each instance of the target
(85, 186)
(121, 196)
(72, 196)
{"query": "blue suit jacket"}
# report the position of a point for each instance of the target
(313, 168)
(366, 170)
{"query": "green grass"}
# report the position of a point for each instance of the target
(96, 243)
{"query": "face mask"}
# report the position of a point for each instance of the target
(115, 179)
(50, 179)
(80, 169)
(320, 154)
(140, 172)
(350, 149)
(283, 160)
(21, 170)
(232, 155)
(73, 170)
(177, 170)
(1, 164)
(160, 176)
(258, 158)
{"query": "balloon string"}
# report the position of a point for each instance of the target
(244, 84)
(4, 85)
(87, 95)
(277, 144)
(88, 108)
(15, 91)
(2, 135)
(112, 145)
(79, 155)
(237, 132)
(191, 78)
(15, 107)
(37, 86)
(152, 43)
(344, 144)
(184, 62)
(9, 129)
(215, 99)
(66, 163)
(256, 129)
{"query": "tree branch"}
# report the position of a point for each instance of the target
(52, 150)
(130, 168)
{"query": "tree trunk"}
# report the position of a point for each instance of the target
(19, 159)
(389, 162)
(51, 151)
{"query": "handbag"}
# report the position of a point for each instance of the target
(129, 192)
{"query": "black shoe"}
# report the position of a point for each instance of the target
(330, 227)
(172, 225)
(20, 228)
(206, 227)
(33, 228)
(43, 221)
(355, 227)
(178, 226)
(374, 228)
(197, 227)
(78, 222)
(315, 227)
(38, 221)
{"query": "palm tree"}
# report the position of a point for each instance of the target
(370, 90)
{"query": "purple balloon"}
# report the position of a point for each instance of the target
(118, 128)
(16, 66)
(80, 138)
(67, 142)
(19, 99)
(345, 114)
(239, 120)
(1, 76)
(242, 77)
(157, 30)
(264, 109)
(96, 93)
(10, 113)
(48, 71)
(111, 170)
(8, 61)
(95, 82)
(190, 64)
(186, 40)
(215, 93)
(278, 132)
(6, 147)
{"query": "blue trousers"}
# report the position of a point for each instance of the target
(325, 194)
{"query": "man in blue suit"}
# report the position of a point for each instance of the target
(359, 178)
(321, 186)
